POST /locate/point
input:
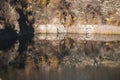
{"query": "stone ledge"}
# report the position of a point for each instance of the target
(78, 37)
(50, 28)
(82, 29)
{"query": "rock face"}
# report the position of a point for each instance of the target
(84, 11)
(78, 16)
(60, 16)
(8, 16)
(82, 29)
(50, 28)
(16, 15)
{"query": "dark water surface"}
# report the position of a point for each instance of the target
(60, 57)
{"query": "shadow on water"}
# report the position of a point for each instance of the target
(9, 46)
(7, 38)
(24, 42)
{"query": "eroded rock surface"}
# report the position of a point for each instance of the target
(60, 15)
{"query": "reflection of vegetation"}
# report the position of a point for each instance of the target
(24, 42)
(65, 46)
(44, 54)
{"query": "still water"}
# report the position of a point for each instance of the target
(60, 57)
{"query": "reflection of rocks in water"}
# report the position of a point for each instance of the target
(53, 54)
(8, 52)
(6, 44)
(24, 42)
(65, 46)
(91, 49)
(71, 52)
(13, 51)
(93, 53)
(7, 33)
